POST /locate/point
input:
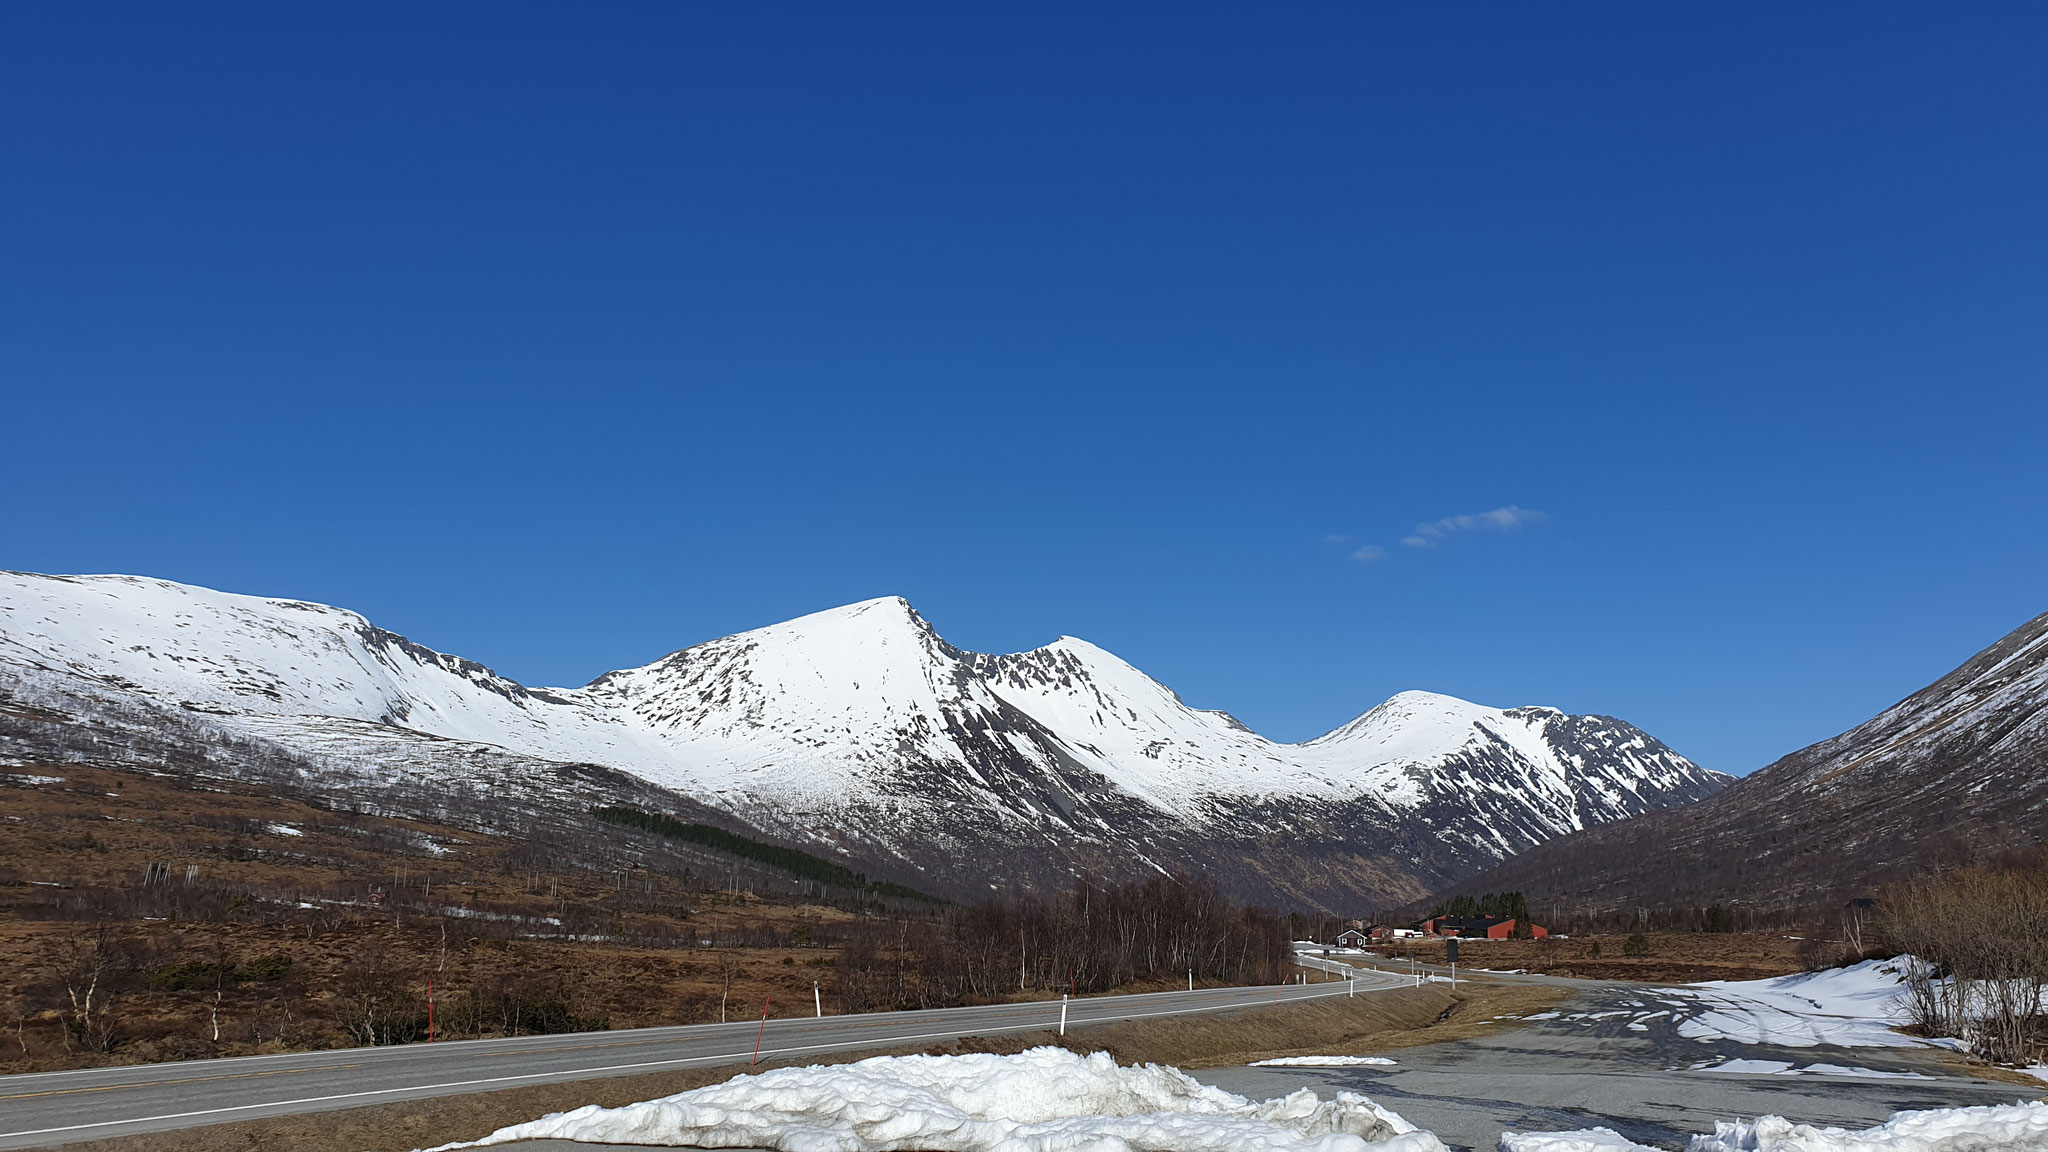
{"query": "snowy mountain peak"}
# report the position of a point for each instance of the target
(867, 622)
(858, 723)
(1427, 715)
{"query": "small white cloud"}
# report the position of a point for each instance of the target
(1369, 553)
(1512, 518)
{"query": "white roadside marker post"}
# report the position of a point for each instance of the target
(1063, 1013)
(1191, 979)
(817, 1000)
(1354, 987)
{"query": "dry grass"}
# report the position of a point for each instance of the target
(103, 826)
(1964, 1065)
(1675, 957)
(1345, 1026)
(99, 826)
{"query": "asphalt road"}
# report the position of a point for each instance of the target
(44, 1109)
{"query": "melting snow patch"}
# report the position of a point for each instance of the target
(1750, 1067)
(2001, 1128)
(1851, 1007)
(1580, 1140)
(1042, 1100)
(284, 829)
(23, 778)
(1859, 1072)
(1319, 1061)
(1785, 1068)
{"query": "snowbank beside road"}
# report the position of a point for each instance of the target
(1042, 1100)
(2003, 1128)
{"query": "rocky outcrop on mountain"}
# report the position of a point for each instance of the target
(859, 733)
(1957, 771)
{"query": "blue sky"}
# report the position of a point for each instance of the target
(561, 336)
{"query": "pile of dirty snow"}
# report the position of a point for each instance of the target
(2001, 1128)
(1041, 1100)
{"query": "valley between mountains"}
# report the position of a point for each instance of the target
(857, 734)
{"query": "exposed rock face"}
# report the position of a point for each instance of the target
(859, 731)
(1957, 770)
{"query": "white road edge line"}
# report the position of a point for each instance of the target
(865, 1043)
(678, 1031)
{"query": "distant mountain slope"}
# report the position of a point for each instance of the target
(860, 731)
(1958, 769)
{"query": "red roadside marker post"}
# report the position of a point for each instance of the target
(765, 1002)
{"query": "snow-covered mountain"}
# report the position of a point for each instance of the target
(1956, 771)
(860, 731)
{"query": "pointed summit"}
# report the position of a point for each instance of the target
(860, 729)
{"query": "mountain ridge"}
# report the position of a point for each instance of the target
(861, 730)
(1953, 772)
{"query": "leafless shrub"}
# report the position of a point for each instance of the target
(378, 1001)
(89, 969)
(1093, 938)
(1977, 941)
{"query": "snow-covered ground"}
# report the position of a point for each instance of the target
(1854, 1007)
(2003, 1128)
(1857, 1006)
(1053, 1100)
(1042, 1100)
